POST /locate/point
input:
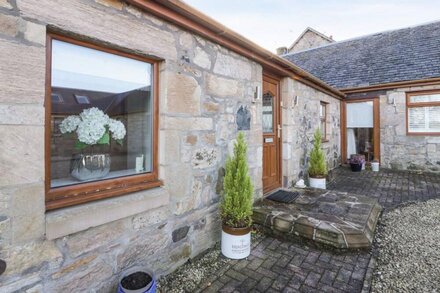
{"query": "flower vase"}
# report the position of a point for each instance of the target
(89, 167)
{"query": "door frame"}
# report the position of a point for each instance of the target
(278, 121)
(376, 125)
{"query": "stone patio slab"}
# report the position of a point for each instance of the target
(333, 218)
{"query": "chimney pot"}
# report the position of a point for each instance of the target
(281, 50)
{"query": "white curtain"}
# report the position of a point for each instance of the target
(351, 143)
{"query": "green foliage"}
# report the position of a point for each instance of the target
(236, 205)
(80, 145)
(317, 164)
(105, 139)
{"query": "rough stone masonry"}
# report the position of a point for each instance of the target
(202, 86)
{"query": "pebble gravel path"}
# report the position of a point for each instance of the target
(408, 246)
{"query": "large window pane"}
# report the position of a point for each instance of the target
(424, 119)
(101, 115)
(360, 129)
(360, 141)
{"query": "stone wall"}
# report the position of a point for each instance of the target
(85, 247)
(299, 124)
(399, 150)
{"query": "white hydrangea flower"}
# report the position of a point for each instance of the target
(95, 115)
(91, 125)
(69, 124)
(117, 129)
(89, 131)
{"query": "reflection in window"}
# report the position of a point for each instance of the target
(268, 113)
(108, 99)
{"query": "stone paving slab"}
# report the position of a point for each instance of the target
(332, 218)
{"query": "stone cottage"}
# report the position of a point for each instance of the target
(170, 88)
(309, 38)
(392, 85)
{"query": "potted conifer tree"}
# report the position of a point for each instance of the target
(317, 164)
(236, 204)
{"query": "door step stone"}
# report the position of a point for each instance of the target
(333, 218)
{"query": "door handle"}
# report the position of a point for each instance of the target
(279, 131)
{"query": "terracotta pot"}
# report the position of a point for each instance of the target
(236, 242)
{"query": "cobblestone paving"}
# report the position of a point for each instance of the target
(391, 188)
(278, 266)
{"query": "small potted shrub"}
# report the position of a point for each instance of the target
(317, 165)
(356, 163)
(236, 204)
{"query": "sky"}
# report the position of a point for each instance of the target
(277, 23)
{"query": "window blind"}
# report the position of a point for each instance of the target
(360, 115)
(424, 119)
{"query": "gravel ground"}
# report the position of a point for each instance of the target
(190, 276)
(408, 247)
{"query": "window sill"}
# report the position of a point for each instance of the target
(91, 191)
(423, 134)
(66, 221)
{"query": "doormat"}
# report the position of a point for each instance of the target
(284, 196)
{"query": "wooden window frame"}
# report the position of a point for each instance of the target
(323, 119)
(409, 105)
(65, 196)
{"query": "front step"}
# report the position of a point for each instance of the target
(332, 218)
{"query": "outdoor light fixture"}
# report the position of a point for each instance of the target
(391, 100)
(257, 94)
(295, 101)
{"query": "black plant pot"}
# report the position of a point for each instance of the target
(137, 281)
(356, 167)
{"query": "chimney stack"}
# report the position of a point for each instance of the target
(281, 50)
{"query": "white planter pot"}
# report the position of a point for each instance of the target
(236, 246)
(375, 166)
(363, 166)
(317, 182)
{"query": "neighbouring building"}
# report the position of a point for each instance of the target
(176, 87)
(309, 38)
(392, 84)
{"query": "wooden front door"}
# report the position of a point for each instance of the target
(271, 120)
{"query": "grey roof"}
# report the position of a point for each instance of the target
(401, 55)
